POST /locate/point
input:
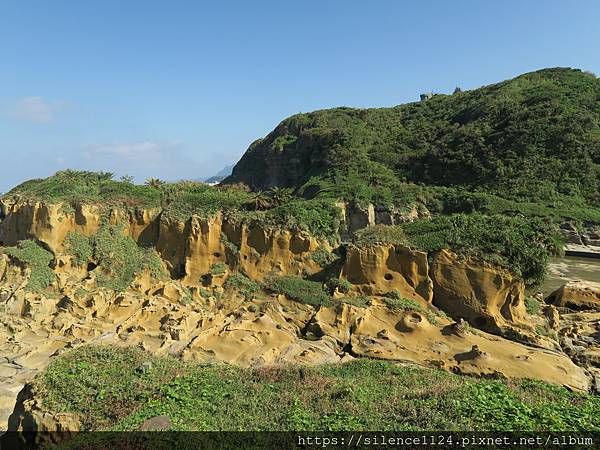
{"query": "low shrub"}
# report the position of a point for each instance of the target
(217, 269)
(79, 246)
(532, 306)
(333, 284)
(299, 289)
(37, 259)
(397, 304)
(243, 284)
(360, 301)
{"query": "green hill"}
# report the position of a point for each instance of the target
(531, 139)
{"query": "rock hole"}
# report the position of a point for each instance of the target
(416, 318)
(206, 279)
(180, 271)
(216, 254)
(388, 276)
(91, 266)
(245, 257)
(480, 322)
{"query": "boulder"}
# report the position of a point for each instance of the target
(488, 297)
(577, 294)
(158, 423)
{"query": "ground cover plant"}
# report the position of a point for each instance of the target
(361, 395)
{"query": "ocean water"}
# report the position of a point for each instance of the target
(569, 268)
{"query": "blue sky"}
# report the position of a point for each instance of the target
(179, 89)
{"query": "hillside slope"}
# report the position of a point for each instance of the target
(532, 138)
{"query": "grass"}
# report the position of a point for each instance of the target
(396, 303)
(542, 331)
(182, 200)
(296, 288)
(335, 284)
(379, 235)
(83, 186)
(360, 301)
(101, 386)
(38, 259)
(322, 218)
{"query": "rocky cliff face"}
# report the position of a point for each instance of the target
(581, 241)
(30, 415)
(189, 248)
(195, 316)
(50, 224)
(486, 296)
(380, 269)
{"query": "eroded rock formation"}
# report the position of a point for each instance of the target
(377, 270)
(195, 316)
(578, 295)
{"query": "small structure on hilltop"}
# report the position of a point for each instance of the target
(426, 96)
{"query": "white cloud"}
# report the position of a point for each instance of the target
(145, 152)
(34, 109)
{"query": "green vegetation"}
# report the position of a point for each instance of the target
(231, 246)
(361, 301)
(186, 297)
(322, 218)
(183, 199)
(521, 245)
(154, 182)
(79, 246)
(71, 186)
(243, 284)
(397, 303)
(535, 138)
(532, 306)
(299, 289)
(379, 234)
(498, 167)
(282, 141)
(102, 386)
(334, 284)
(37, 259)
(323, 257)
(542, 331)
(218, 269)
(118, 256)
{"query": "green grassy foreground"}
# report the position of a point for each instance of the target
(102, 386)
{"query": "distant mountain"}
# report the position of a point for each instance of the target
(220, 175)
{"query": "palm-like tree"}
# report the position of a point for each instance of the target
(155, 183)
(260, 201)
(280, 195)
